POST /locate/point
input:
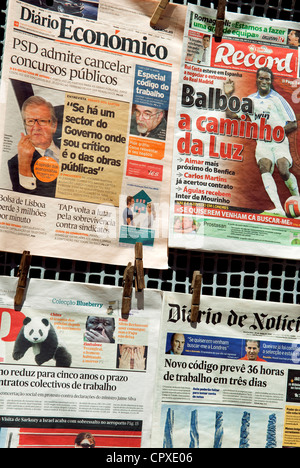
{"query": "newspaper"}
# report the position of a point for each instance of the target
(99, 377)
(73, 372)
(231, 380)
(89, 174)
(236, 166)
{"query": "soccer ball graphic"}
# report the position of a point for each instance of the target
(292, 207)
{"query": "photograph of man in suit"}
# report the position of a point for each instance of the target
(40, 124)
(177, 344)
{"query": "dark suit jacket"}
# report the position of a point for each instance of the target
(44, 189)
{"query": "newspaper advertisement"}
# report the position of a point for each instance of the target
(232, 380)
(87, 128)
(73, 373)
(236, 166)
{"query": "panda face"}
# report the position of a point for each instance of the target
(36, 330)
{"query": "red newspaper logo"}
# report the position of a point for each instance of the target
(243, 56)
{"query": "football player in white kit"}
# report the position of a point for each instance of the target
(276, 110)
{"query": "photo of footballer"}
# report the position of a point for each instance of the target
(272, 106)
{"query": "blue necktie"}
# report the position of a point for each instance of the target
(50, 154)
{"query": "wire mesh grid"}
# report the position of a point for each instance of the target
(287, 10)
(238, 276)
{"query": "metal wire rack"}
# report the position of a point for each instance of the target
(238, 276)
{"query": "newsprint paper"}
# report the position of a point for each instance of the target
(72, 371)
(236, 167)
(232, 380)
(87, 118)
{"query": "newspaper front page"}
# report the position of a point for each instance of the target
(232, 380)
(236, 166)
(87, 128)
(72, 371)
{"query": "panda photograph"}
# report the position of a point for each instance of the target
(40, 335)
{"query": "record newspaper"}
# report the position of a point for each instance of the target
(87, 128)
(236, 165)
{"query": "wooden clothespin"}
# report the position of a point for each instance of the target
(22, 275)
(127, 290)
(220, 20)
(139, 267)
(158, 12)
(196, 292)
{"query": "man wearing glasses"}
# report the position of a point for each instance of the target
(40, 126)
(149, 122)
